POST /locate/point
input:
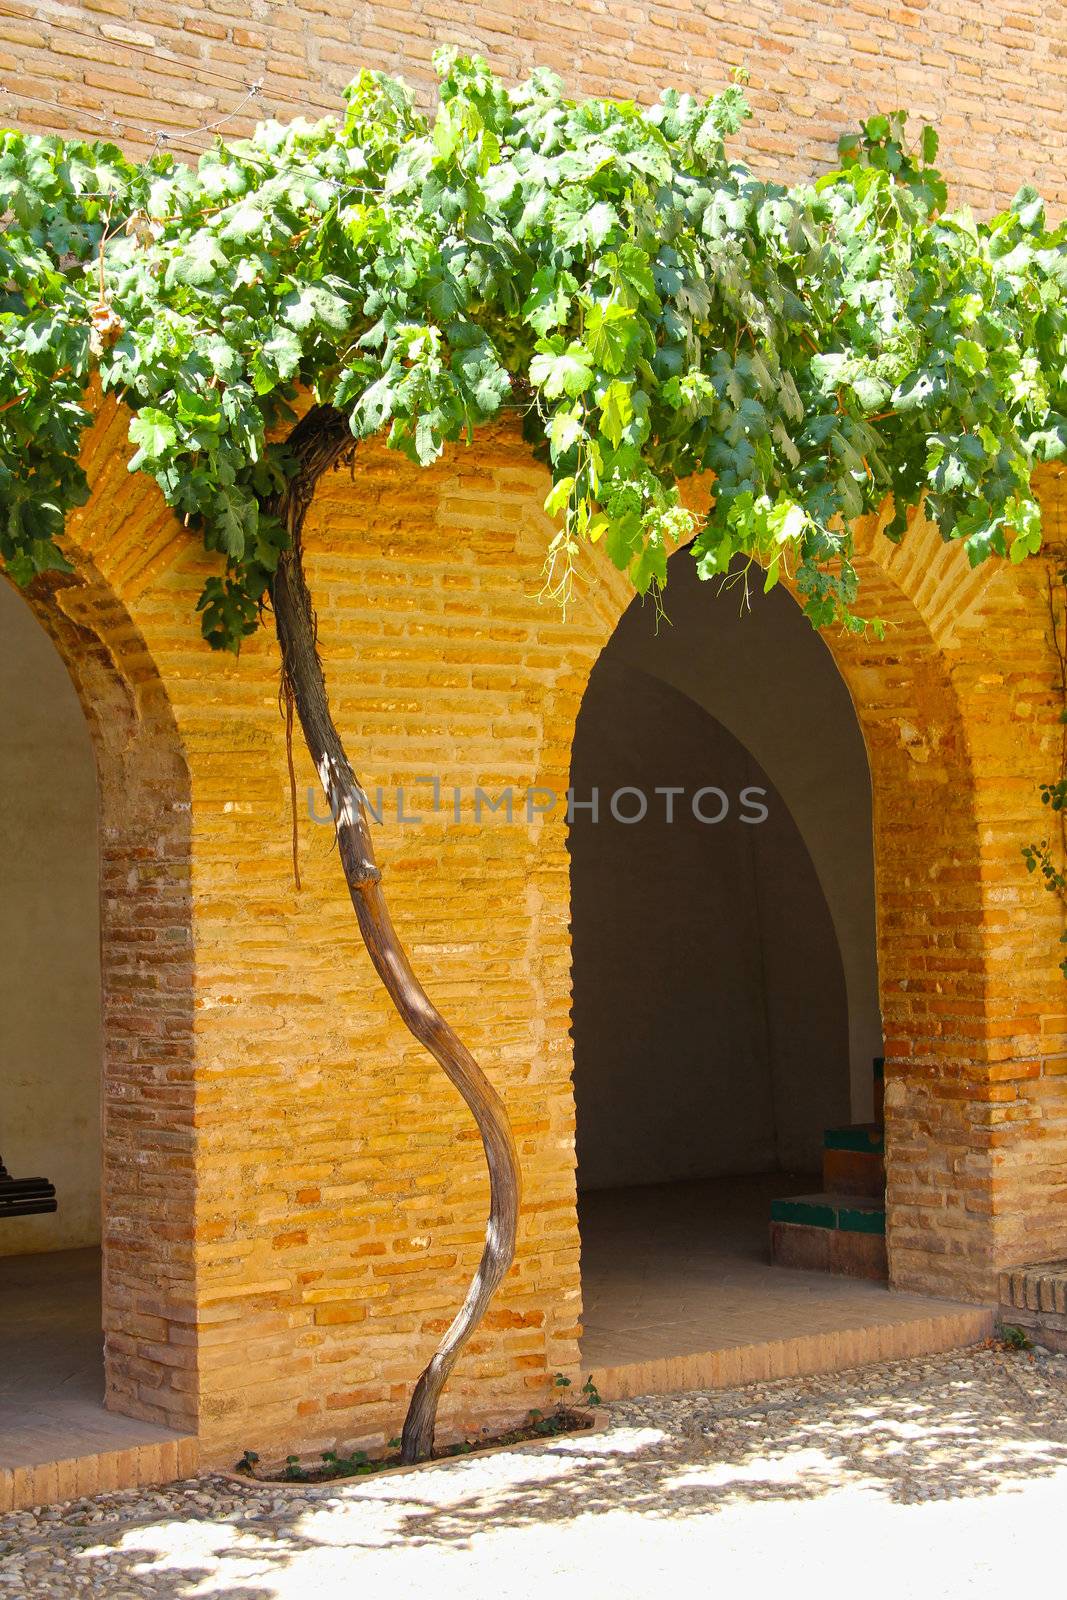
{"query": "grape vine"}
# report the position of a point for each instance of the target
(649, 307)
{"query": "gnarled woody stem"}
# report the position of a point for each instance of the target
(320, 440)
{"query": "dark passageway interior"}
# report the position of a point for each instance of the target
(710, 1016)
(725, 1012)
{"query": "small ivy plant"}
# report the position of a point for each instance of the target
(561, 1418)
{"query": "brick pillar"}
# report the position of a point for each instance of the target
(960, 713)
(146, 963)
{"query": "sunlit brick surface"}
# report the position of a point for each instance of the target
(295, 1197)
(993, 77)
(311, 1220)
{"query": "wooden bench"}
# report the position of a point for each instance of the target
(24, 1197)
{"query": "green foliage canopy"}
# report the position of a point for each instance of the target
(649, 307)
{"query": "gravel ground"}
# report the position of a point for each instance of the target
(944, 1476)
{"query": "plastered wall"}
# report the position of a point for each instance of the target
(49, 938)
(710, 1017)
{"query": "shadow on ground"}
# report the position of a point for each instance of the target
(948, 1429)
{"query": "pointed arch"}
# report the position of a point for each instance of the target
(956, 707)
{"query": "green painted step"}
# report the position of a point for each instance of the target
(846, 1213)
(862, 1136)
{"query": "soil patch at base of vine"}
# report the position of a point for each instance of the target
(334, 1465)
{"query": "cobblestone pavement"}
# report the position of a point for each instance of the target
(936, 1477)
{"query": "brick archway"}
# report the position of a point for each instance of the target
(960, 714)
(146, 962)
(930, 910)
(322, 1242)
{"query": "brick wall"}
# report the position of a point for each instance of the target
(961, 717)
(339, 1192)
(993, 76)
(295, 1196)
(339, 1186)
(147, 974)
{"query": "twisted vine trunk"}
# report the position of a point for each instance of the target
(321, 440)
